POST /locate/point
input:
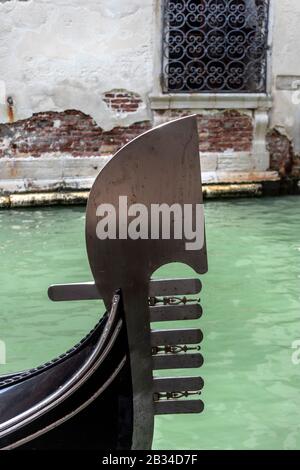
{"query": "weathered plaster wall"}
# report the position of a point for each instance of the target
(285, 115)
(75, 82)
(57, 55)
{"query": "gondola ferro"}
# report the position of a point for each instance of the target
(103, 393)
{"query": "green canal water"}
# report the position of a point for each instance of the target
(251, 301)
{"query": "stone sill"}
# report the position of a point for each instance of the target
(196, 101)
(81, 197)
(43, 199)
(226, 191)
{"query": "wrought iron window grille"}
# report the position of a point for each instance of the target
(215, 46)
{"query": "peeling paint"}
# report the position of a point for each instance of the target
(59, 55)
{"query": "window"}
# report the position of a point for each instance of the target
(215, 46)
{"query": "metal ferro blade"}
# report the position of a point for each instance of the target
(161, 166)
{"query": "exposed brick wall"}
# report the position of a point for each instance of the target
(225, 131)
(220, 131)
(282, 156)
(119, 136)
(70, 132)
(122, 101)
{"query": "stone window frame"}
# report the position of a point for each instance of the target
(206, 100)
(259, 103)
(181, 73)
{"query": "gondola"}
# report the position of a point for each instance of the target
(103, 394)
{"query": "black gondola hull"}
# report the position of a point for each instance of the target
(88, 410)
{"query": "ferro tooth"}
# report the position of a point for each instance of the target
(177, 384)
(168, 287)
(177, 361)
(178, 406)
(175, 312)
(176, 336)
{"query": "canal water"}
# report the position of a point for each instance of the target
(251, 301)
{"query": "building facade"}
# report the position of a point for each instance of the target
(80, 79)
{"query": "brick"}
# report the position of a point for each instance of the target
(77, 134)
(220, 131)
(122, 101)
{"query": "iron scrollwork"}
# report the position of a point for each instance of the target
(215, 46)
(174, 349)
(152, 301)
(174, 395)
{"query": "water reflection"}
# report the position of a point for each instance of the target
(251, 300)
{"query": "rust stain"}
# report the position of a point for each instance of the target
(13, 172)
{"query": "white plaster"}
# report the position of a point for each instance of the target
(64, 54)
(57, 123)
(286, 66)
(2, 92)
